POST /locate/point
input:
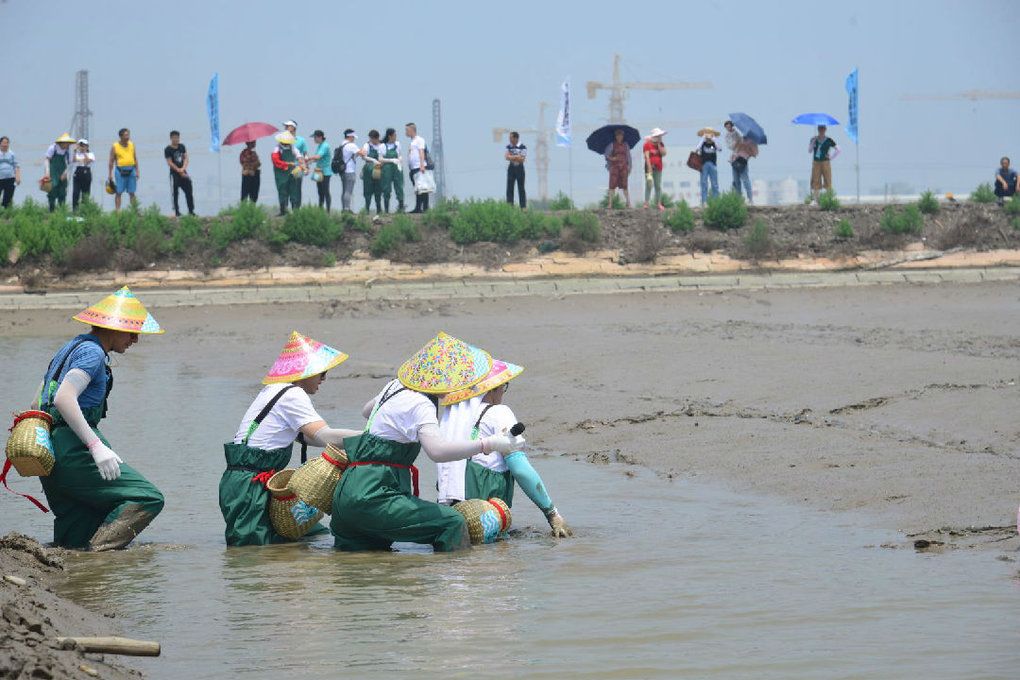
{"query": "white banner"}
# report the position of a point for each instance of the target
(563, 119)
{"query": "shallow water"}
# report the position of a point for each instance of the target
(665, 579)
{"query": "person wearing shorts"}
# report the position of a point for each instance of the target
(124, 167)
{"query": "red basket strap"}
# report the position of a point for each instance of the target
(3, 479)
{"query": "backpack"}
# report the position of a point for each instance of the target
(429, 163)
(337, 164)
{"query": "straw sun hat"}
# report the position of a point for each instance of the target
(444, 364)
(121, 311)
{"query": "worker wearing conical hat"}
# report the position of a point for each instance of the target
(99, 502)
(58, 160)
(288, 170)
(376, 502)
(479, 411)
(281, 413)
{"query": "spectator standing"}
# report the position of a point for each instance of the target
(654, 149)
(350, 153)
(81, 174)
(742, 152)
(1005, 181)
(287, 171)
(708, 150)
(392, 170)
(322, 172)
(57, 170)
(177, 159)
(371, 173)
(301, 147)
(251, 173)
(125, 160)
(823, 149)
(416, 165)
(516, 154)
(618, 161)
(10, 172)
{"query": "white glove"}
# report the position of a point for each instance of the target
(107, 461)
(502, 443)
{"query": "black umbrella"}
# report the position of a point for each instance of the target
(604, 136)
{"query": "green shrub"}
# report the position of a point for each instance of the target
(1013, 205)
(239, 222)
(983, 194)
(757, 240)
(358, 222)
(561, 202)
(407, 228)
(188, 235)
(328, 260)
(618, 203)
(827, 200)
(31, 230)
(906, 221)
(725, 211)
(584, 225)
(311, 226)
(442, 216)
(489, 220)
(7, 239)
(668, 201)
(844, 230)
(542, 225)
(679, 219)
(150, 234)
(928, 204)
(63, 230)
(1016, 223)
(402, 229)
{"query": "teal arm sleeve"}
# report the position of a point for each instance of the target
(527, 477)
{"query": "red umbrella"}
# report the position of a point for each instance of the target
(249, 132)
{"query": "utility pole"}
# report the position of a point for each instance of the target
(82, 114)
(437, 150)
(618, 90)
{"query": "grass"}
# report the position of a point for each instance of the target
(724, 212)
(618, 203)
(679, 219)
(561, 202)
(844, 230)
(401, 230)
(758, 241)
(906, 221)
(312, 226)
(1012, 206)
(828, 201)
(983, 194)
(500, 222)
(928, 204)
(584, 225)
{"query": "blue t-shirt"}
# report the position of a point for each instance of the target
(325, 154)
(301, 145)
(87, 356)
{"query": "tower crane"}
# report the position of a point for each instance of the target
(542, 135)
(618, 90)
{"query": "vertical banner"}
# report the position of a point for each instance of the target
(563, 119)
(851, 91)
(212, 105)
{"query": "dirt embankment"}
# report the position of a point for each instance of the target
(34, 616)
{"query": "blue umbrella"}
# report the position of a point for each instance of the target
(749, 128)
(814, 119)
(603, 137)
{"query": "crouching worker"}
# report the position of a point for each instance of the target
(479, 412)
(99, 502)
(281, 413)
(373, 505)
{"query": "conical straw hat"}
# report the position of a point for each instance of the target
(444, 364)
(302, 358)
(502, 372)
(66, 138)
(285, 138)
(121, 311)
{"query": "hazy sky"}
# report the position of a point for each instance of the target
(339, 64)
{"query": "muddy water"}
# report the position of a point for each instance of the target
(665, 578)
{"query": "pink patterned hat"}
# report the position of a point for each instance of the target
(302, 358)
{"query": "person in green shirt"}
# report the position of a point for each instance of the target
(58, 160)
(322, 172)
(823, 149)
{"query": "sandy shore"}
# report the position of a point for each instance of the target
(898, 401)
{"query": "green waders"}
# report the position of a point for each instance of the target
(480, 481)
(58, 186)
(372, 187)
(244, 500)
(392, 180)
(89, 512)
(287, 185)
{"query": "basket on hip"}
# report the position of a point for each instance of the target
(315, 481)
(487, 521)
(29, 447)
(282, 505)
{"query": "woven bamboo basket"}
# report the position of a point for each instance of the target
(29, 447)
(487, 520)
(315, 481)
(282, 499)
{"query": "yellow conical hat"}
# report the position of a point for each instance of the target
(444, 364)
(302, 358)
(66, 138)
(121, 311)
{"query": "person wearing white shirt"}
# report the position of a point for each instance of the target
(392, 170)
(81, 177)
(350, 152)
(416, 164)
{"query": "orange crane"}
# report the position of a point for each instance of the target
(618, 90)
(542, 135)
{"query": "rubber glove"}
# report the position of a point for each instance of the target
(558, 524)
(107, 461)
(502, 443)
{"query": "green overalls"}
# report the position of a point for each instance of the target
(480, 481)
(58, 186)
(392, 179)
(371, 187)
(373, 506)
(287, 185)
(88, 511)
(244, 500)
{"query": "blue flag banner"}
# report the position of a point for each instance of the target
(851, 91)
(212, 105)
(563, 119)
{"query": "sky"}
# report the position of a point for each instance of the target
(337, 64)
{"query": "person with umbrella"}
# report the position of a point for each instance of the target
(618, 162)
(708, 150)
(743, 150)
(251, 172)
(823, 149)
(288, 171)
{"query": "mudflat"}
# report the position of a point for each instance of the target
(898, 401)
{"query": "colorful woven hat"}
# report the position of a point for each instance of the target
(121, 311)
(444, 364)
(302, 358)
(65, 138)
(501, 372)
(285, 138)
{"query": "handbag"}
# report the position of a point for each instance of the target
(694, 161)
(739, 163)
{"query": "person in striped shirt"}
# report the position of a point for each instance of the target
(515, 155)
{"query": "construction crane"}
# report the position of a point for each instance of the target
(618, 90)
(437, 150)
(972, 95)
(542, 135)
(79, 126)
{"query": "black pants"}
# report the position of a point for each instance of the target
(323, 189)
(6, 192)
(182, 183)
(515, 175)
(81, 185)
(250, 187)
(421, 201)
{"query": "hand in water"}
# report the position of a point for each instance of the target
(559, 526)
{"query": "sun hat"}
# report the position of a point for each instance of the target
(302, 358)
(706, 131)
(657, 132)
(444, 364)
(83, 141)
(110, 187)
(285, 138)
(289, 122)
(121, 311)
(65, 138)
(501, 372)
